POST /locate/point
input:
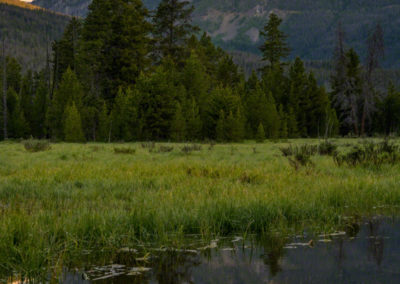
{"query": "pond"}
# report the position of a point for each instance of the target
(370, 253)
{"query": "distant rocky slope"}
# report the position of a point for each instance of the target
(310, 24)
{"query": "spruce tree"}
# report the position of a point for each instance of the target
(178, 125)
(73, 125)
(260, 136)
(70, 90)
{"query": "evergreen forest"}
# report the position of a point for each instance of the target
(127, 74)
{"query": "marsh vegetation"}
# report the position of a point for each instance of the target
(57, 204)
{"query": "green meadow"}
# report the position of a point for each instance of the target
(57, 204)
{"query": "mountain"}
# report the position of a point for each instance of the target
(28, 30)
(310, 24)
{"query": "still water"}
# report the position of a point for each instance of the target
(368, 254)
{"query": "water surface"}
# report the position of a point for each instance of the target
(369, 253)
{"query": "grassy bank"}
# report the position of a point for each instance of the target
(57, 203)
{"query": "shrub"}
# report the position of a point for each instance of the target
(165, 149)
(33, 145)
(303, 149)
(148, 145)
(300, 160)
(129, 151)
(324, 148)
(191, 148)
(369, 154)
(327, 148)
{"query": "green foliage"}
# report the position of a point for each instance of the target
(73, 125)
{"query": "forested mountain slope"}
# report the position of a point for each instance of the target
(28, 30)
(310, 25)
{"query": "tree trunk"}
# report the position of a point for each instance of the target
(5, 118)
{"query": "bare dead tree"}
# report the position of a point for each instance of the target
(338, 78)
(376, 51)
(5, 116)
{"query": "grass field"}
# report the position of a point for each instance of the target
(56, 204)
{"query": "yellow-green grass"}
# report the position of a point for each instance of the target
(56, 204)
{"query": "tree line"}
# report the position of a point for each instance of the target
(127, 74)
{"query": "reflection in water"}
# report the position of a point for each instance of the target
(369, 253)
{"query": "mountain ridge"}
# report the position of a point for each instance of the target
(310, 25)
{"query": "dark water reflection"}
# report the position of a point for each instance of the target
(369, 254)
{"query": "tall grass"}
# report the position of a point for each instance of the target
(54, 205)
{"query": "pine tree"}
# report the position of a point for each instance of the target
(275, 47)
(260, 136)
(172, 28)
(73, 125)
(178, 125)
